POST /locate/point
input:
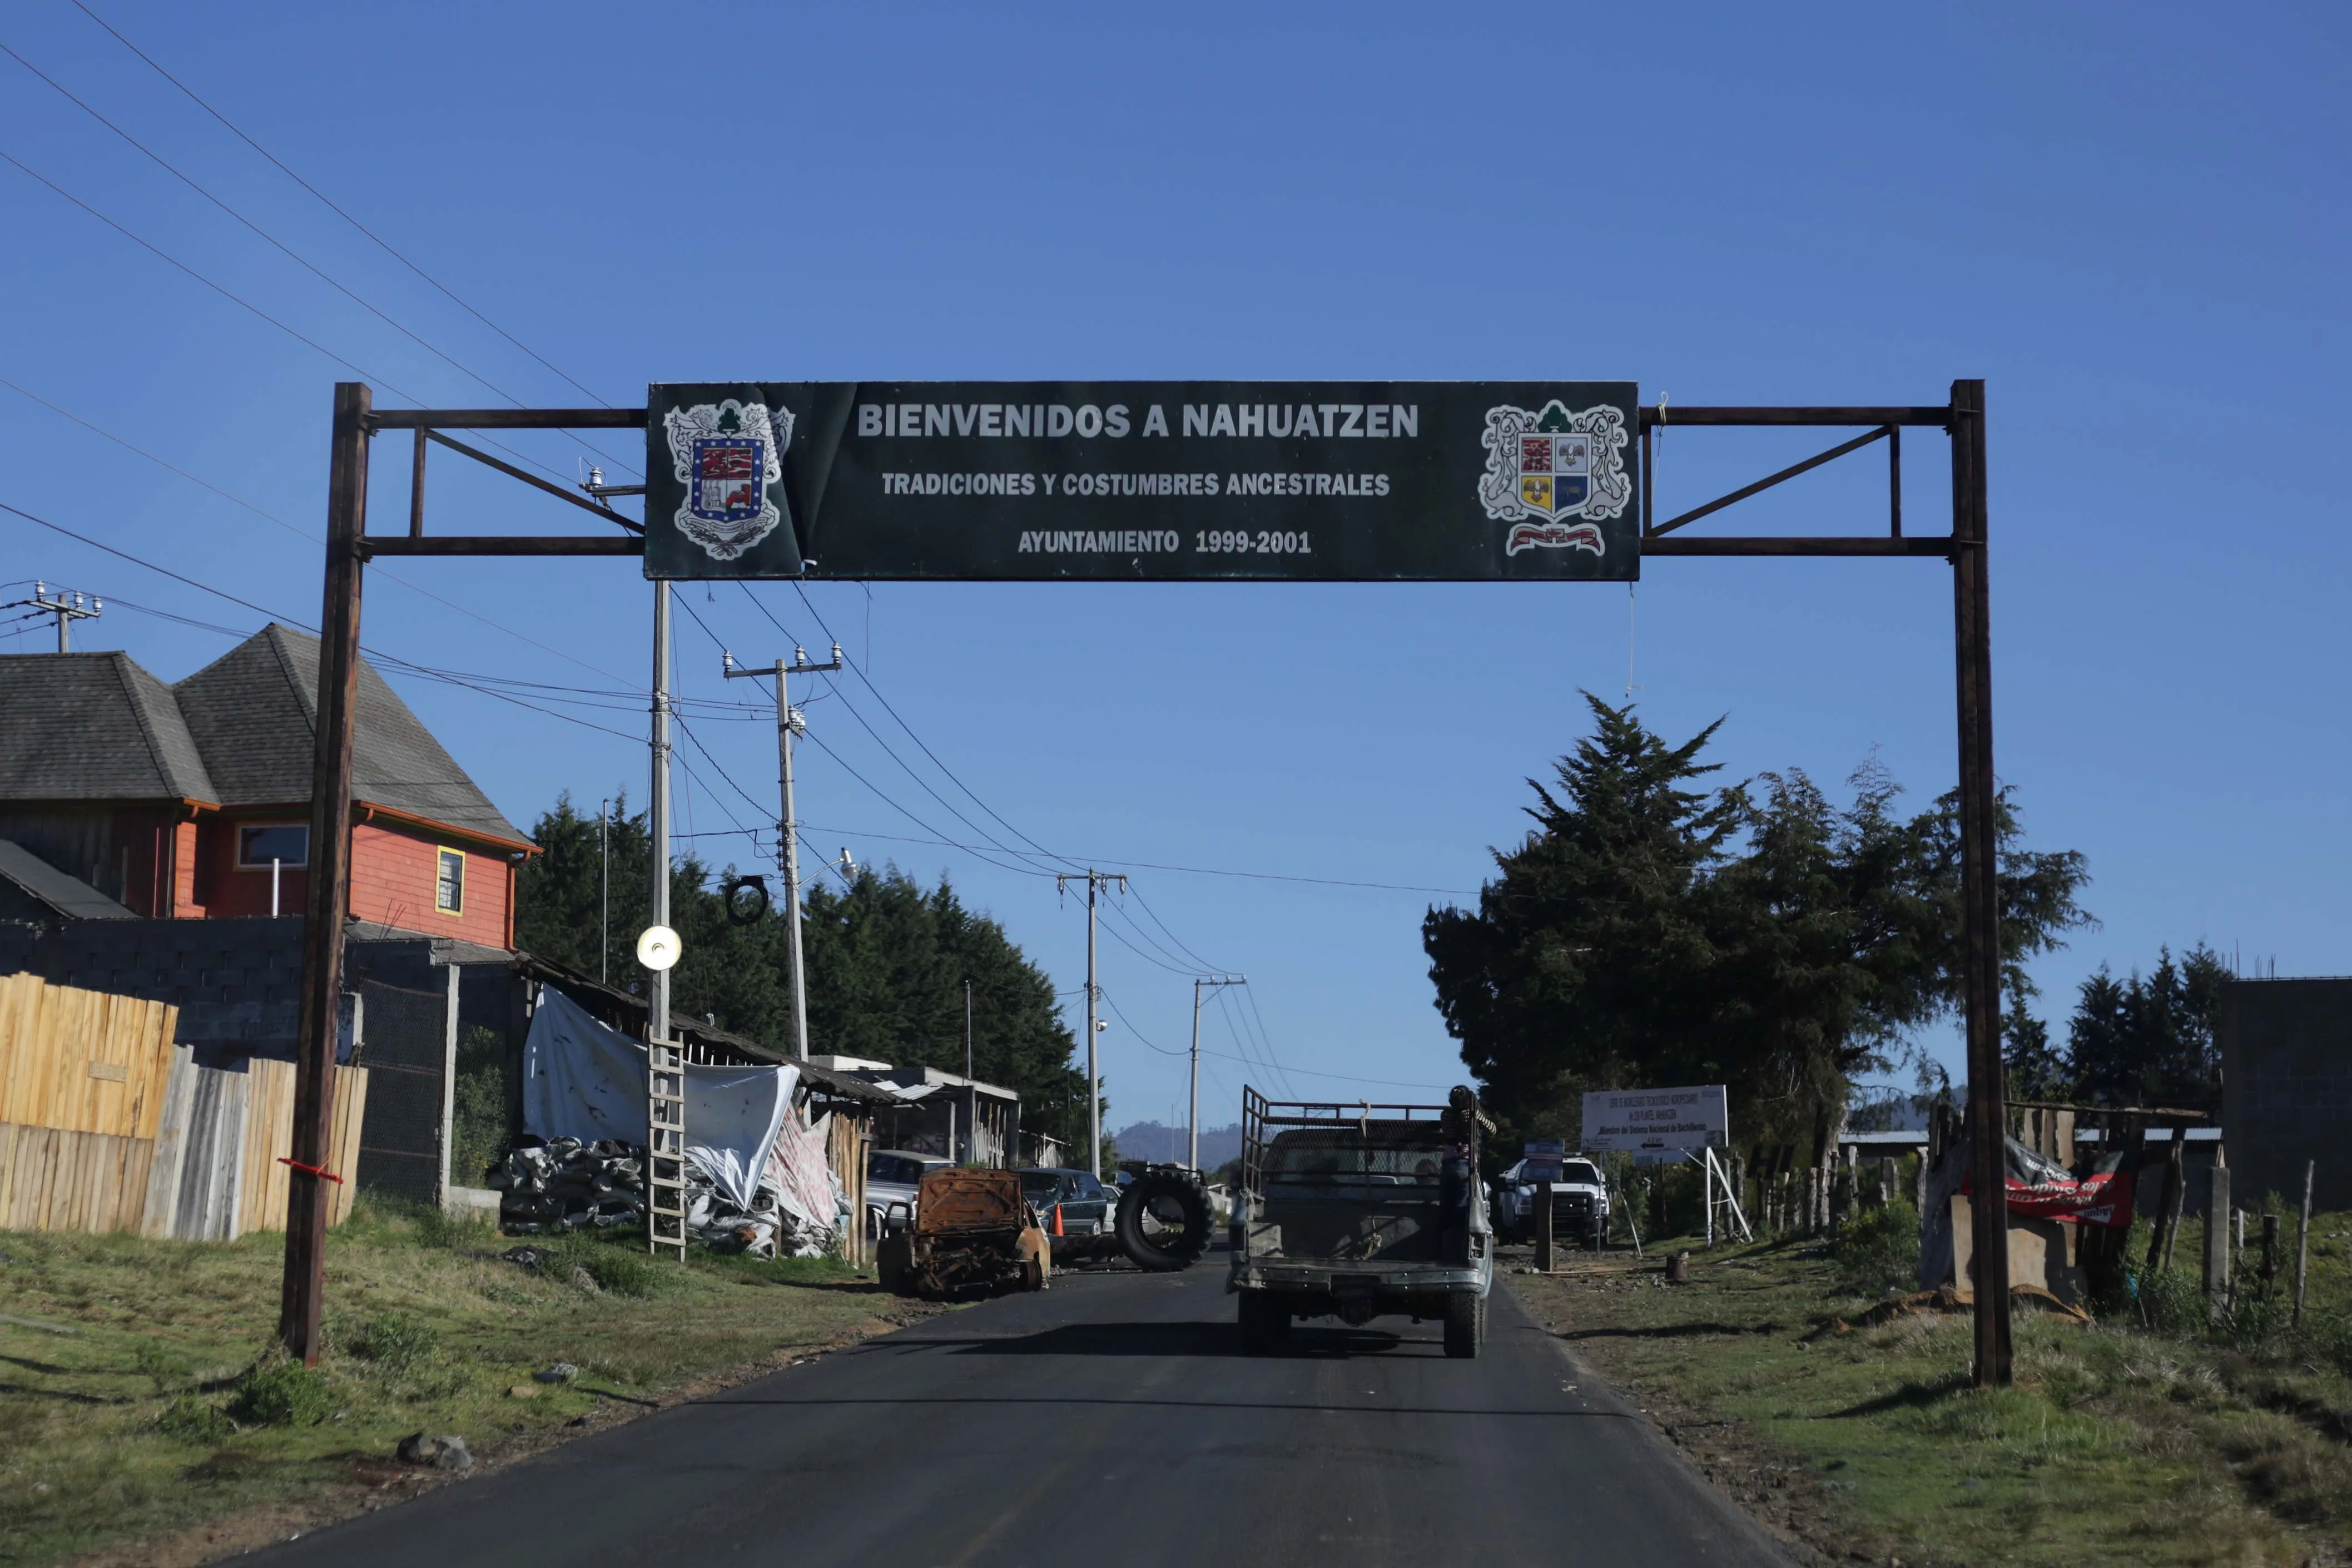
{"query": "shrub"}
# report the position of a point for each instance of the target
(2172, 1301)
(1879, 1248)
(193, 1420)
(281, 1394)
(398, 1347)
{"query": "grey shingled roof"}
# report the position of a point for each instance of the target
(93, 726)
(238, 732)
(68, 895)
(252, 711)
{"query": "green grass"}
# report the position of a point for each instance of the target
(2149, 1439)
(166, 1406)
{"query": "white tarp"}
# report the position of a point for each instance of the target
(581, 1079)
(797, 1167)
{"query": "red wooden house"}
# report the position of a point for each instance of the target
(193, 800)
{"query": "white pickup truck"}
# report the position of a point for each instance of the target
(1579, 1199)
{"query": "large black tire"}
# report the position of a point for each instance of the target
(1163, 1220)
(1465, 1325)
(1264, 1320)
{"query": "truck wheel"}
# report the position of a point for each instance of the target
(1264, 1320)
(1163, 1221)
(1465, 1324)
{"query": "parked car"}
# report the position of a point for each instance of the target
(1579, 1199)
(892, 1176)
(1087, 1209)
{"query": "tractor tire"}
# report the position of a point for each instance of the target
(1163, 1220)
(1465, 1325)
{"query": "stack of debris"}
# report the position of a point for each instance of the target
(767, 1229)
(548, 1185)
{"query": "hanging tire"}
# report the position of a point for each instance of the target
(1163, 1220)
(1465, 1324)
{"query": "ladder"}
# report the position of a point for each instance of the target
(666, 1147)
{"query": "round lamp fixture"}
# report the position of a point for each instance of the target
(658, 947)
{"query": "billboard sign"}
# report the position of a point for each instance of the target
(1657, 1122)
(1130, 481)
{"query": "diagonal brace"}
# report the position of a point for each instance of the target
(558, 491)
(1765, 484)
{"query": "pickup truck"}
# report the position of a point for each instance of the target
(1362, 1211)
(1579, 1199)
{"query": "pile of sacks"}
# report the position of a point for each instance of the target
(548, 1185)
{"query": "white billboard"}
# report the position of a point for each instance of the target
(1657, 1121)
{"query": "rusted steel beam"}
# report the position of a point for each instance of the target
(1939, 418)
(1937, 546)
(518, 419)
(329, 894)
(558, 491)
(1769, 481)
(501, 544)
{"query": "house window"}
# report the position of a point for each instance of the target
(259, 843)
(449, 883)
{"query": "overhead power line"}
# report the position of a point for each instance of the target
(332, 206)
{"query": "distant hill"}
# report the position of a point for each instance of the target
(1154, 1140)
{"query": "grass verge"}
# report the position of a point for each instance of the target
(2120, 1443)
(142, 1412)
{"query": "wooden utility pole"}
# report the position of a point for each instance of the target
(331, 880)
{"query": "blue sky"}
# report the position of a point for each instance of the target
(2131, 224)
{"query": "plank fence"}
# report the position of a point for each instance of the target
(106, 1125)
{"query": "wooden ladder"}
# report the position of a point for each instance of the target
(666, 1147)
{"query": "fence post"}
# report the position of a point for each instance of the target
(2303, 1240)
(1543, 1227)
(2217, 1238)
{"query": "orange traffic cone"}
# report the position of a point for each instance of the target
(1057, 1219)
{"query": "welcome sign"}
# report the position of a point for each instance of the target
(1435, 482)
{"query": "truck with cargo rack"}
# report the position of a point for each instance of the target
(1360, 1211)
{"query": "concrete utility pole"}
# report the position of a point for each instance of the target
(1094, 880)
(967, 1025)
(66, 611)
(605, 890)
(789, 723)
(1194, 1158)
(657, 904)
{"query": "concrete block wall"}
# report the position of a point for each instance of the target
(2287, 1086)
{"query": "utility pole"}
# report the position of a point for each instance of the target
(1094, 880)
(789, 723)
(605, 890)
(967, 1025)
(66, 611)
(657, 902)
(1194, 1159)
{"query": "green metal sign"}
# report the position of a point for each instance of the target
(1442, 481)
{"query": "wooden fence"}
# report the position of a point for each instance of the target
(106, 1125)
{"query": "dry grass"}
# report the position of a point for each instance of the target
(163, 1408)
(2119, 1445)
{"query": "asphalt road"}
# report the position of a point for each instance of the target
(1114, 1418)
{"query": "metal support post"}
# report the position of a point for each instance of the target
(1980, 899)
(328, 891)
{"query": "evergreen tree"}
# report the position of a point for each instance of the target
(1649, 932)
(887, 961)
(2150, 1041)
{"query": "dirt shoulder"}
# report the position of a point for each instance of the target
(142, 1419)
(1866, 1444)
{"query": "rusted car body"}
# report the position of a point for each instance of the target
(974, 1234)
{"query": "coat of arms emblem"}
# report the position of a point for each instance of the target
(1553, 473)
(727, 455)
